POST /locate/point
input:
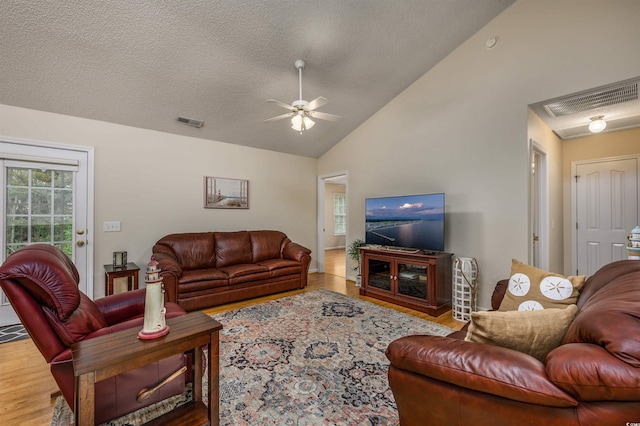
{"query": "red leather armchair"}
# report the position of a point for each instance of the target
(41, 283)
(592, 378)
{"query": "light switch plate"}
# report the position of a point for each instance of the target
(111, 227)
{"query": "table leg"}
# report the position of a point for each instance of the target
(197, 374)
(109, 289)
(85, 399)
(214, 379)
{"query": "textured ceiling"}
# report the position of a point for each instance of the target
(144, 63)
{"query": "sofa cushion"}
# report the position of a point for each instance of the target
(192, 250)
(235, 271)
(281, 267)
(610, 318)
(208, 274)
(266, 245)
(232, 248)
(531, 288)
(533, 332)
(48, 275)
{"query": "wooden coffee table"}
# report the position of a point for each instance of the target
(109, 355)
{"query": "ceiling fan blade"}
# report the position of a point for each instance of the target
(279, 117)
(281, 104)
(317, 103)
(324, 116)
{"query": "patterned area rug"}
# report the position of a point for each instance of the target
(312, 359)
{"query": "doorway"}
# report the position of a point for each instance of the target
(47, 197)
(605, 210)
(332, 223)
(539, 207)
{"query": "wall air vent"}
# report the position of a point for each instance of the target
(191, 121)
(601, 97)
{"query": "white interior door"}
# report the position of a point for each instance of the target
(45, 199)
(539, 208)
(606, 211)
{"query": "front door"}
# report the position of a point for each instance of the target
(45, 199)
(606, 211)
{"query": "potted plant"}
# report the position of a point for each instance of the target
(353, 251)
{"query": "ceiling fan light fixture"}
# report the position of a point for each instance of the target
(597, 124)
(301, 122)
(300, 110)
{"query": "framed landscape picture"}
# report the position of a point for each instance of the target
(225, 193)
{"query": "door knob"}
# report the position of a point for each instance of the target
(80, 231)
(80, 243)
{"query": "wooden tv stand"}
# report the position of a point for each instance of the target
(420, 281)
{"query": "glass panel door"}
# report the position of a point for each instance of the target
(379, 274)
(39, 208)
(412, 280)
(46, 197)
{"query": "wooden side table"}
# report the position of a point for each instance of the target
(129, 271)
(109, 355)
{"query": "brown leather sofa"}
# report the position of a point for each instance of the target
(592, 378)
(42, 285)
(212, 268)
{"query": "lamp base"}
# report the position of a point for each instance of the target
(154, 334)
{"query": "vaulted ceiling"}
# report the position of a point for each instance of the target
(144, 63)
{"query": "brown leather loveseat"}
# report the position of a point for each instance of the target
(592, 378)
(212, 268)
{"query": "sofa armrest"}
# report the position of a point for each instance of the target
(498, 294)
(589, 372)
(171, 273)
(168, 263)
(490, 369)
(294, 251)
(121, 306)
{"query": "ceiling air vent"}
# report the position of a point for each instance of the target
(191, 121)
(601, 97)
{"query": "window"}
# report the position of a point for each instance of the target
(339, 214)
(39, 208)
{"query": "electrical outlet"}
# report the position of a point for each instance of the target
(111, 227)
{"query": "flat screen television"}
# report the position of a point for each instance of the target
(410, 221)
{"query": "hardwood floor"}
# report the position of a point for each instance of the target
(334, 262)
(26, 383)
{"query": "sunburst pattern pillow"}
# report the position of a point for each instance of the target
(531, 289)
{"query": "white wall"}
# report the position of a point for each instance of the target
(462, 127)
(153, 183)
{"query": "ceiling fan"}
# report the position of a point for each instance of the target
(301, 111)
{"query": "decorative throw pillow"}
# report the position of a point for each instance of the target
(533, 332)
(531, 288)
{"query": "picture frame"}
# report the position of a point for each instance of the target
(226, 193)
(119, 259)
